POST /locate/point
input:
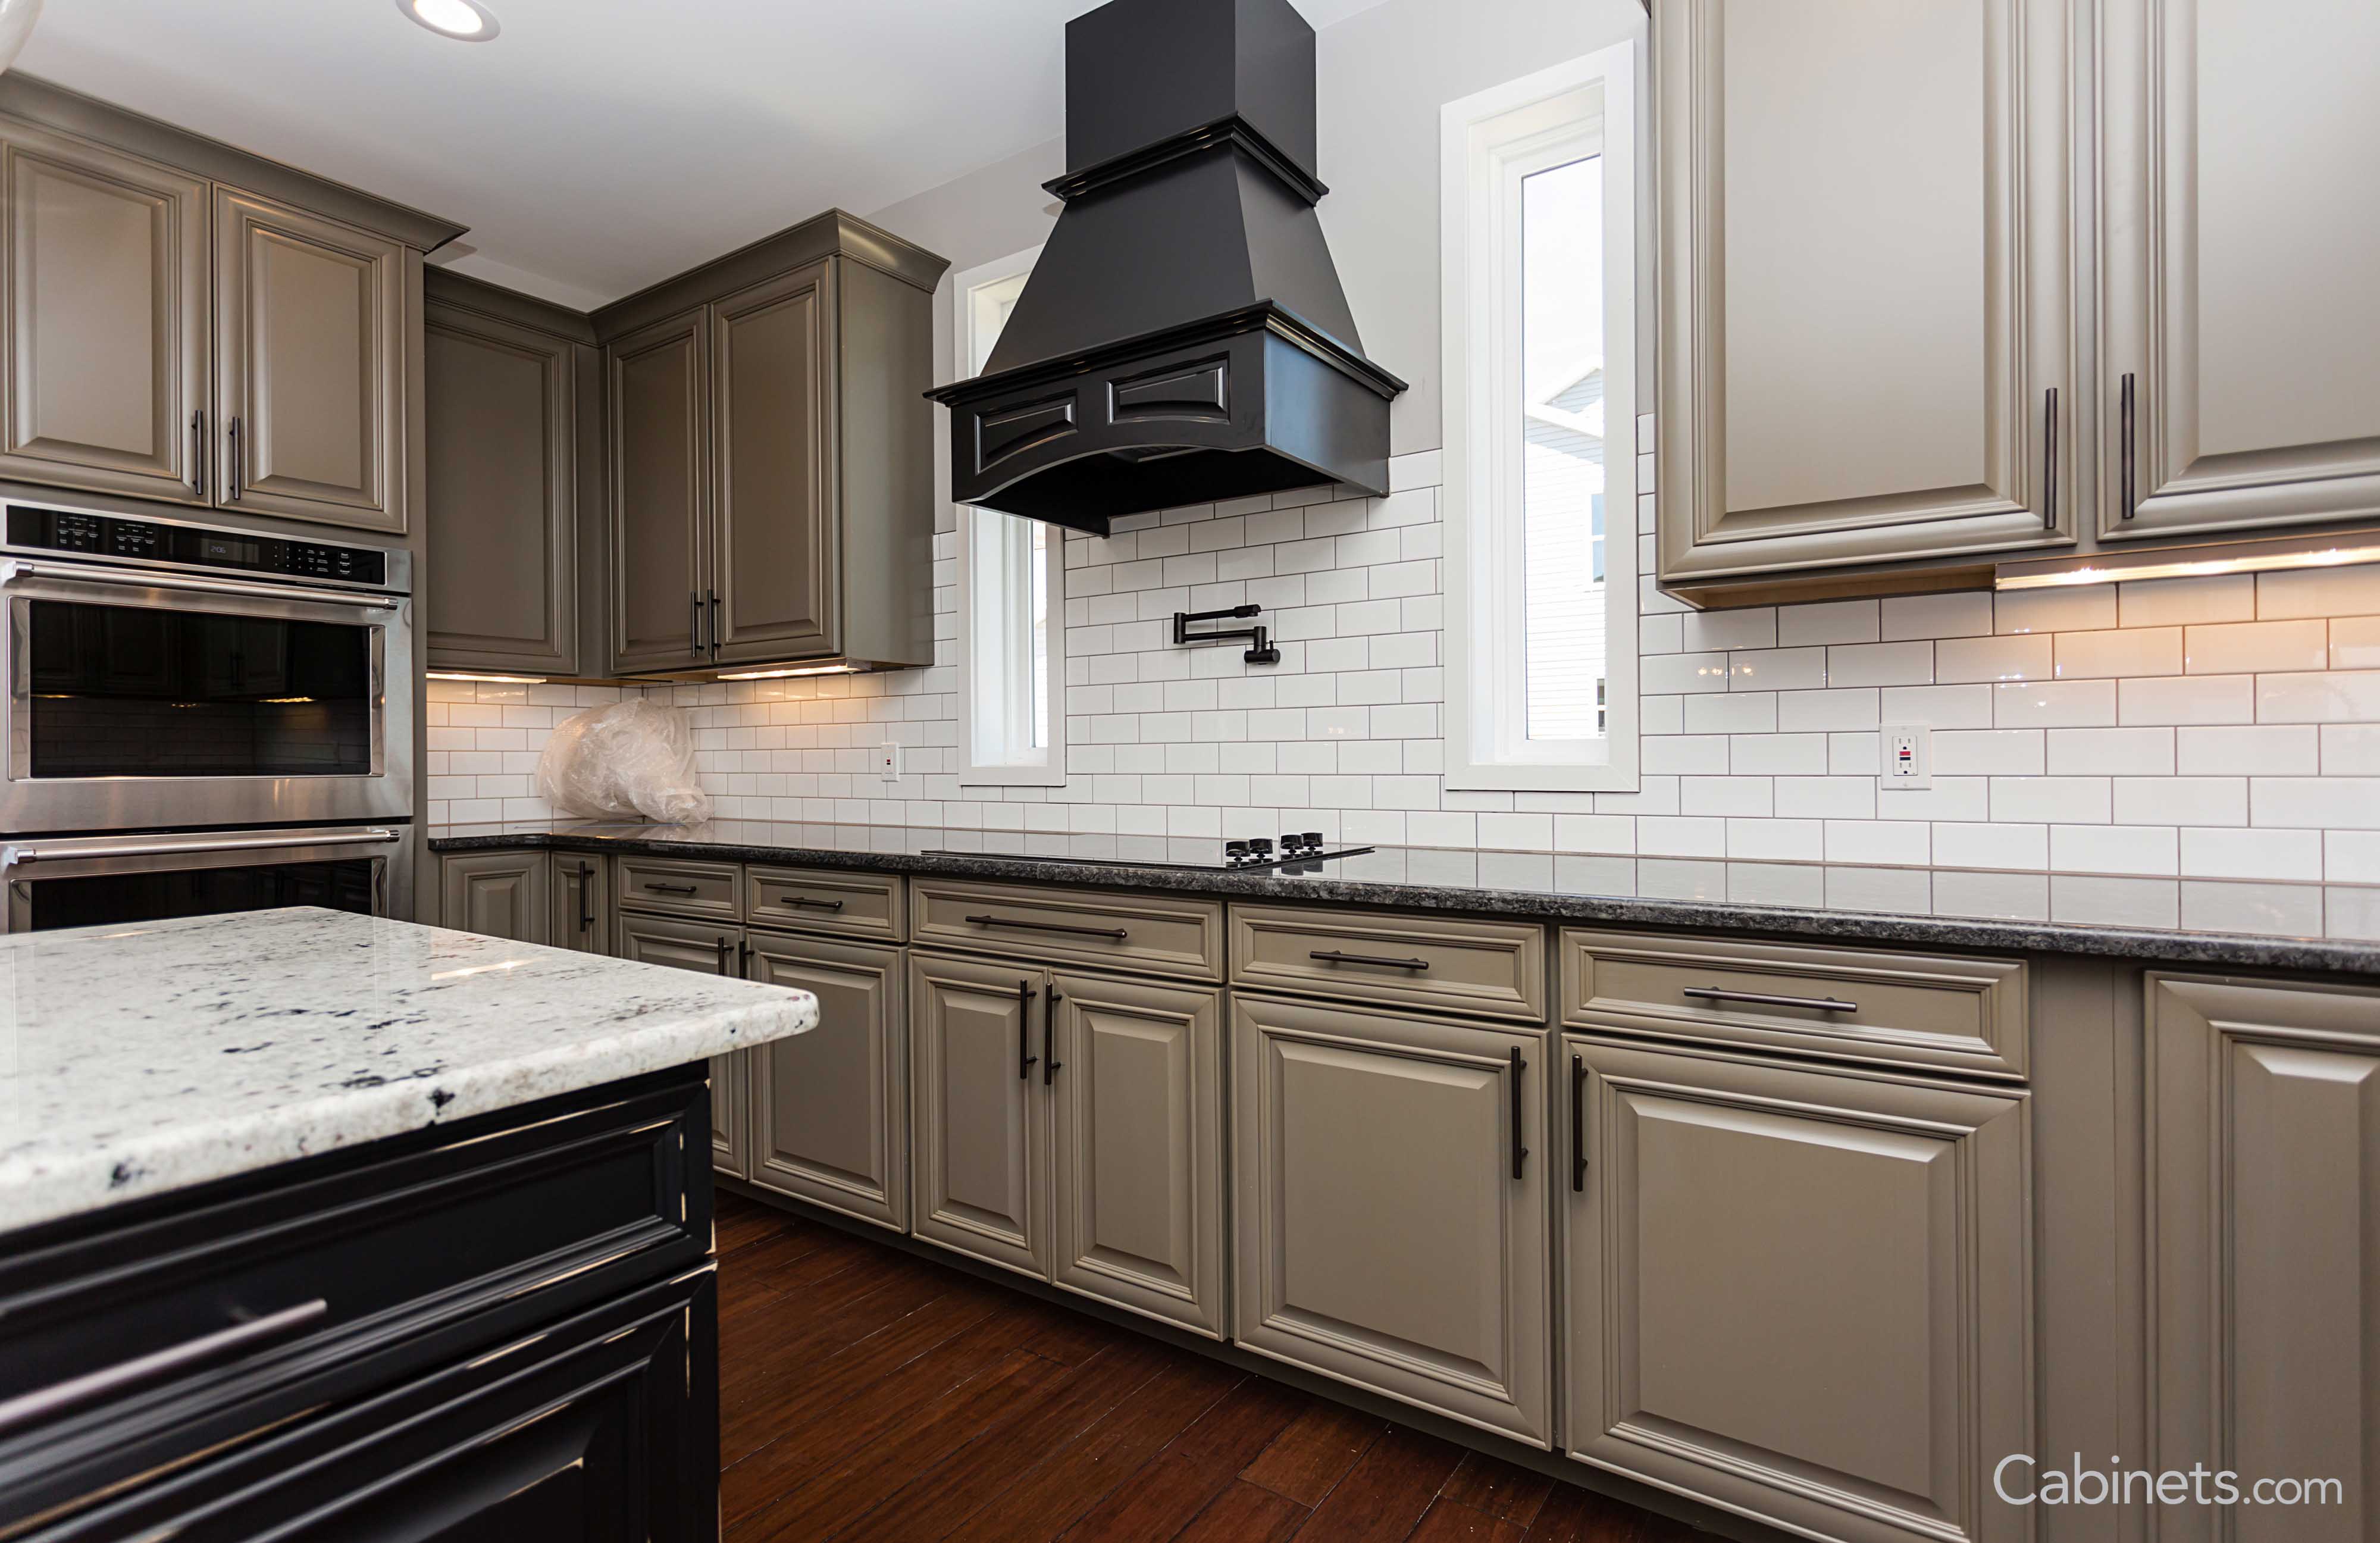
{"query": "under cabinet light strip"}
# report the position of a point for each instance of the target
(804, 670)
(501, 680)
(2131, 567)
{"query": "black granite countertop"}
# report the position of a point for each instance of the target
(1529, 886)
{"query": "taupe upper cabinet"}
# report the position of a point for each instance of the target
(309, 365)
(2265, 1225)
(504, 404)
(772, 430)
(180, 319)
(1803, 1295)
(1866, 293)
(2240, 233)
(772, 449)
(105, 318)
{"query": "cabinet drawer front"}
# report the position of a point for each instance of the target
(1133, 933)
(454, 1239)
(1492, 968)
(1803, 1295)
(679, 888)
(1386, 1237)
(1923, 1012)
(820, 900)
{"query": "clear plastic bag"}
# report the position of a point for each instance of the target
(630, 761)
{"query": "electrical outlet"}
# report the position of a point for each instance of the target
(1908, 757)
(887, 761)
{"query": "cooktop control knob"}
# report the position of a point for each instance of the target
(1313, 841)
(1259, 848)
(1235, 853)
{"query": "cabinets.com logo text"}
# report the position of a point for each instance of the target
(2020, 1480)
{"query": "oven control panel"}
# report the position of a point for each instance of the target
(81, 533)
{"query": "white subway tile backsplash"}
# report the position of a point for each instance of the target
(2318, 803)
(2245, 648)
(1950, 616)
(1777, 670)
(2112, 752)
(1679, 674)
(2006, 896)
(2098, 901)
(2188, 699)
(2154, 650)
(1900, 891)
(2182, 800)
(2171, 601)
(1846, 621)
(2052, 800)
(2280, 910)
(2236, 853)
(2347, 591)
(2054, 704)
(1991, 752)
(1905, 842)
(2023, 656)
(2337, 697)
(2355, 643)
(1989, 845)
(1752, 628)
(2145, 849)
(2240, 751)
(1798, 840)
(1880, 664)
(1776, 884)
(1942, 707)
(1808, 711)
(2081, 609)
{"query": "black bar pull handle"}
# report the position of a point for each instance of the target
(721, 946)
(586, 898)
(232, 467)
(1025, 1056)
(671, 889)
(1117, 933)
(806, 903)
(1520, 1153)
(1578, 1124)
(744, 958)
(199, 453)
(694, 623)
(714, 622)
(2049, 460)
(1333, 957)
(2125, 489)
(1050, 1062)
(1824, 1004)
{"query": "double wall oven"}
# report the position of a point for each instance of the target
(200, 720)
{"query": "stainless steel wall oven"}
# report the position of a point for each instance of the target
(54, 881)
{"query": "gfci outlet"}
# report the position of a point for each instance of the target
(1908, 757)
(888, 763)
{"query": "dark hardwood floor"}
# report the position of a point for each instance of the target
(867, 1394)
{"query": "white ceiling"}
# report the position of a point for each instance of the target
(596, 146)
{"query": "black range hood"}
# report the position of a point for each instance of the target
(1184, 337)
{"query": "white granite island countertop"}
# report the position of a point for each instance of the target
(144, 1057)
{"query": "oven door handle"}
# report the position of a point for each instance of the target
(148, 578)
(58, 851)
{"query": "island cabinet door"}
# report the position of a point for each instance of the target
(1391, 1209)
(104, 318)
(1136, 1078)
(497, 894)
(582, 902)
(1868, 311)
(979, 1118)
(2265, 1266)
(606, 1426)
(693, 946)
(829, 1108)
(1801, 1295)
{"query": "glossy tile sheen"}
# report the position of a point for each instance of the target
(140, 1059)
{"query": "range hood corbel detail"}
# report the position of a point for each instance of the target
(1184, 337)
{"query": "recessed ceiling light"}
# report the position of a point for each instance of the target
(466, 19)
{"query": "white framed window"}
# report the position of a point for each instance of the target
(1012, 633)
(1537, 187)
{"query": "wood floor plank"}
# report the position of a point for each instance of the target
(1572, 1514)
(1169, 1493)
(1451, 1522)
(1386, 1494)
(1246, 1512)
(792, 1330)
(1045, 1501)
(840, 1493)
(934, 1498)
(1499, 1489)
(1073, 1338)
(880, 1412)
(735, 1221)
(1315, 1452)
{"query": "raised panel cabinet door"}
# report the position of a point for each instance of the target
(772, 351)
(829, 1108)
(103, 317)
(582, 903)
(2263, 1287)
(1803, 1295)
(660, 404)
(498, 894)
(1865, 289)
(694, 945)
(309, 366)
(2240, 231)
(501, 504)
(1136, 1078)
(978, 1119)
(1390, 1209)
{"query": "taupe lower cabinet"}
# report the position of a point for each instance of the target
(829, 1108)
(1802, 1294)
(2263, 1210)
(711, 949)
(2240, 227)
(499, 894)
(1069, 1125)
(510, 411)
(582, 903)
(1391, 1207)
(183, 339)
(771, 455)
(1849, 378)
